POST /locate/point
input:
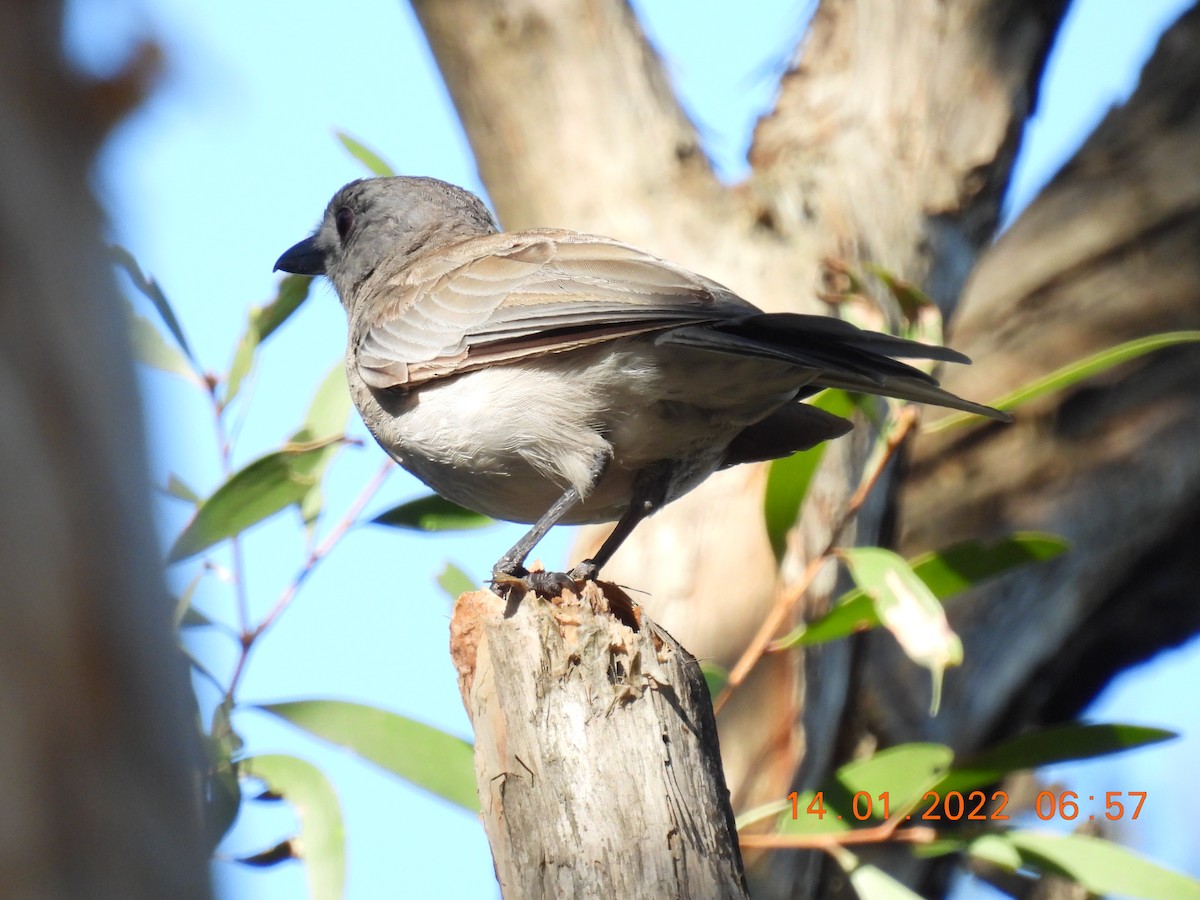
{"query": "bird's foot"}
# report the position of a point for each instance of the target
(586, 571)
(544, 584)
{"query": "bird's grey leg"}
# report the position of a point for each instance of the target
(512, 563)
(649, 494)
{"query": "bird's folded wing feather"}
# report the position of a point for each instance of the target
(839, 354)
(500, 298)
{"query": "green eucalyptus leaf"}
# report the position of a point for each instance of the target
(759, 813)
(715, 677)
(325, 421)
(455, 582)
(263, 488)
(201, 669)
(1073, 373)
(322, 839)
(193, 618)
(151, 348)
(329, 408)
(373, 162)
(903, 773)
(1101, 866)
(852, 613)
(432, 513)
(911, 299)
(222, 800)
(178, 489)
(221, 793)
(942, 845)
(242, 363)
(946, 572)
(994, 849)
(789, 478)
(151, 290)
(260, 325)
(184, 613)
(431, 759)
(293, 291)
(954, 569)
(311, 507)
(284, 851)
(908, 609)
(1046, 747)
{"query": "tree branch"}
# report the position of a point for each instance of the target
(1106, 254)
(564, 90)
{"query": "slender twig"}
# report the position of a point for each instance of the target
(906, 419)
(877, 834)
(315, 556)
(238, 577)
(225, 445)
(784, 602)
(246, 392)
(790, 596)
(225, 448)
(322, 550)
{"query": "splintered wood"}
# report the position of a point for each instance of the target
(596, 751)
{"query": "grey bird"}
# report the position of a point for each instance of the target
(548, 376)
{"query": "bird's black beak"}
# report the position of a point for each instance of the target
(305, 258)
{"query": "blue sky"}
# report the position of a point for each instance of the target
(233, 160)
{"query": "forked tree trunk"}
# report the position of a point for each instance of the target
(891, 143)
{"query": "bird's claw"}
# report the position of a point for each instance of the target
(544, 584)
(551, 584)
(585, 571)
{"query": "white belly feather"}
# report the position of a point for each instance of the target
(508, 440)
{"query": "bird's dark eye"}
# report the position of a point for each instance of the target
(344, 221)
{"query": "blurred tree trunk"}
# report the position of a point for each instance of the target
(891, 143)
(98, 755)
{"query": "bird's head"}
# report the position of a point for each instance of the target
(382, 223)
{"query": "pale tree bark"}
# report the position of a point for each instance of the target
(891, 143)
(596, 750)
(99, 758)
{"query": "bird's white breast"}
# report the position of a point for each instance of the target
(508, 440)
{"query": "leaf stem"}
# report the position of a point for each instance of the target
(315, 556)
(876, 834)
(789, 596)
(238, 574)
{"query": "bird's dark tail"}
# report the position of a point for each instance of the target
(842, 355)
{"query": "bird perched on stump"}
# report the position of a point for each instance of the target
(548, 376)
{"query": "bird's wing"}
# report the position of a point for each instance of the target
(501, 298)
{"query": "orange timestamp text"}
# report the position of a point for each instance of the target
(977, 806)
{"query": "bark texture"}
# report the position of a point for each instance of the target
(98, 755)
(866, 159)
(1106, 254)
(596, 751)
